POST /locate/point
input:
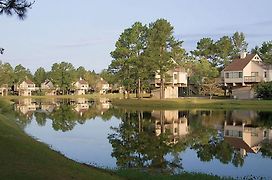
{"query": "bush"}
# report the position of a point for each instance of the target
(264, 90)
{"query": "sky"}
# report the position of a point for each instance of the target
(84, 32)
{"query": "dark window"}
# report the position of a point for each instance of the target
(240, 74)
(227, 75)
(175, 76)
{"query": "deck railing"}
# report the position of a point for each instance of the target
(252, 79)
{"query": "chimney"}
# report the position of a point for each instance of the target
(243, 54)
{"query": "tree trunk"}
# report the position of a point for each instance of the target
(139, 89)
(162, 89)
(128, 93)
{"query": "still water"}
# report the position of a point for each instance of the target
(235, 143)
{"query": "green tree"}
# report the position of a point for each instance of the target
(265, 51)
(40, 76)
(127, 56)
(6, 74)
(63, 75)
(206, 48)
(264, 90)
(81, 72)
(21, 73)
(224, 48)
(19, 7)
(92, 78)
(239, 44)
(204, 75)
(108, 76)
(160, 45)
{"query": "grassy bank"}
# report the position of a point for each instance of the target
(190, 103)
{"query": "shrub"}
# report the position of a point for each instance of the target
(264, 90)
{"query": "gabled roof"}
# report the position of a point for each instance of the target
(82, 81)
(239, 64)
(47, 81)
(28, 81)
(238, 143)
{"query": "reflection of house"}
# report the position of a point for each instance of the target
(175, 83)
(4, 90)
(48, 108)
(48, 105)
(243, 73)
(171, 122)
(244, 137)
(26, 107)
(81, 106)
(26, 87)
(81, 87)
(105, 103)
(48, 88)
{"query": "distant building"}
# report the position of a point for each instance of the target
(81, 87)
(242, 74)
(175, 83)
(4, 90)
(103, 86)
(48, 88)
(26, 88)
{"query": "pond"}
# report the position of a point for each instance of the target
(234, 143)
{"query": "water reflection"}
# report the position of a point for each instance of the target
(161, 140)
(64, 113)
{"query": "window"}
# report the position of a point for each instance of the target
(254, 74)
(265, 75)
(240, 134)
(235, 75)
(240, 74)
(227, 75)
(175, 76)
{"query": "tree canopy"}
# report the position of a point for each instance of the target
(221, 52)
(142, 51)
(18, 7)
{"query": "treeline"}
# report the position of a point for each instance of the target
(61, 74)
(144, 50)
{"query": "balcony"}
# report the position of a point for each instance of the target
(252, 79)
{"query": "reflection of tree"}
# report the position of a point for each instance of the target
(23, 119)
(266, 149)
(264, 119)
(135, 144)
(40, 118)
(63, 118)
(237, 159)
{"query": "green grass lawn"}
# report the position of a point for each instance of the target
(190, 103)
